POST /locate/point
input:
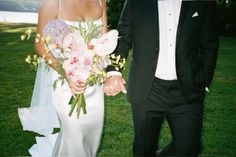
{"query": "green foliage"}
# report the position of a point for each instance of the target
(114, 8)
(16, 85)
(88, 30)
(226, 14)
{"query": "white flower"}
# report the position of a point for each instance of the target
(107, 43)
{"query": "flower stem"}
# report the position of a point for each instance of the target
(79, 100)
(83, 104)
(73, 101)
(78, 105)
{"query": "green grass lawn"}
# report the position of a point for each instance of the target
(16, 85)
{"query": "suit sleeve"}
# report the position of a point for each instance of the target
(209, 42)
(125, 32)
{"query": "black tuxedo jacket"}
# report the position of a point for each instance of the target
(196, 46)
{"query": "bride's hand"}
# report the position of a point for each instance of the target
(76, 88)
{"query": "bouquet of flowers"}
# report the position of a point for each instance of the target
(84, 54)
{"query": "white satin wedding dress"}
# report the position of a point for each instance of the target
(49, 109)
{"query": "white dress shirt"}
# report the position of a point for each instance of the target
(169, 12)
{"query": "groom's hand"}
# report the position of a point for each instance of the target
(114, 85)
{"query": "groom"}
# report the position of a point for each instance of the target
(175, 46)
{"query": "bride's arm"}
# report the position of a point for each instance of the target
(104, 16)
(46, 13)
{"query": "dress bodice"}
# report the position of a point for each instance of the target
(56, 51)
(75, 23)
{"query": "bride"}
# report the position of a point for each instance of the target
(49, 108)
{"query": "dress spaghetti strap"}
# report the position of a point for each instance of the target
(59, 9)
(100, 3)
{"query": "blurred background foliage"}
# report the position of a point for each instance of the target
(227, 17)
(226, 12)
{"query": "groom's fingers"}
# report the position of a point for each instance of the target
(118, 85)
(123, 89)
(107, 88)
(77, 89)
(110, 90)
(114, 85)
(123, 80)
(114, 88)
(122, 86)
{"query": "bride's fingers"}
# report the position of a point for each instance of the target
(118, 86)
(115, 93)
(107, 86)
(108, 93)
(111, 91)
(115, 87)
(123, 89)
(81, 88)
(122, 85)
(123, 80)
(73, 92)
(106, 90)
(81, 84)
(77, 90)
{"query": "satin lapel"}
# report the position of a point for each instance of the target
(183, 14)
(157, 21)
(156, 11)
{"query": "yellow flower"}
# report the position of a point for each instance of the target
(22, 37)
(37, 38)
(28, 32)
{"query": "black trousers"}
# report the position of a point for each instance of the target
(166, 101)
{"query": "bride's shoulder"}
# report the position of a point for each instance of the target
(53, 4)
(49, 8)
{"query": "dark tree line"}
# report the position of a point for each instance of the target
(114, 8)
(226, 12)
(226, 15)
